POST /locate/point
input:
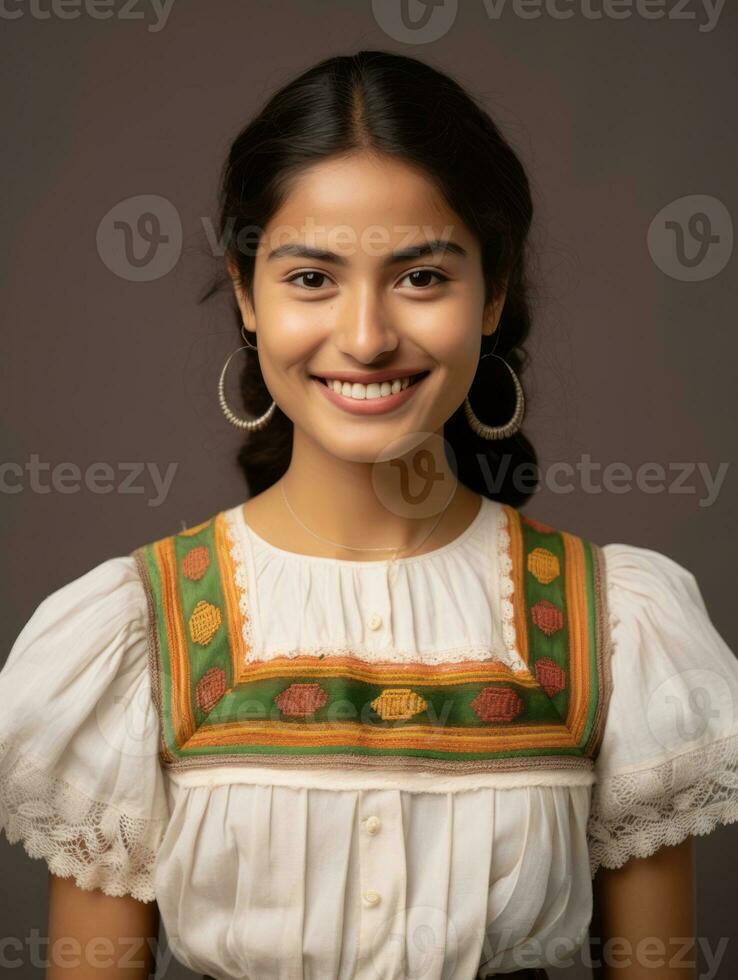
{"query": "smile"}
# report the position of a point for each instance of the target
(370, 399)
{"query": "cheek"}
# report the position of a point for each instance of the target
(290, 339)
(450, 330)
(289, 330)
(455, 348)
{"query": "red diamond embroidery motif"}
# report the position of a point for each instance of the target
(497, 704)
(195, 563)
(547, 617)
(550, 676)
(210, 689)
(301, 700)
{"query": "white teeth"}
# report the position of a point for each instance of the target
(373, 390)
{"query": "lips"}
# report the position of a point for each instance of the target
(378, 380)
(370, 406)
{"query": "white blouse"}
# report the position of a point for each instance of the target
(329, 874)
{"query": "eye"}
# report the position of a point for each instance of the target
(310, 276)
(426, 272)
(310, 272)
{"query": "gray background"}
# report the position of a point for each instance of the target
(614, 119)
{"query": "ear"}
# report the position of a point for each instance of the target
(493, 311)
(248, 314)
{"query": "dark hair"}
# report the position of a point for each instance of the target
(400, 107)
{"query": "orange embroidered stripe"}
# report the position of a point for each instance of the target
(387, 672)
(182, 718)
(408, 736)
(579, 652)
(230, 592)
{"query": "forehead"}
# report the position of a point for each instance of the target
(362, 192)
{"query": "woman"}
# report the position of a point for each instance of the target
(374, 722)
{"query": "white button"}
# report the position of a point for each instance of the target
(371, 897)
(372, 824)
(374, 621)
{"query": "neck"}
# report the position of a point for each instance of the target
(371, 505)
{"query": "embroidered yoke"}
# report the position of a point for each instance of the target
(219, 705)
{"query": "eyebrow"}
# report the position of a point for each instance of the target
(300, 250)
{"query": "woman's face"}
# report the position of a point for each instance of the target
(332, 298)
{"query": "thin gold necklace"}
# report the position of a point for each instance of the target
(348, 547)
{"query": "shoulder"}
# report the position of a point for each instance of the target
(201, 554)
(87, 609)
(641, 578)
(663, 631)
(557, 582)
(666, 670)
(533, 532)
(77, 641)
(79, 734)
(675, 679)
(111, 595)
(670, 745)
(554, 611)
(191, 581)
(638, 587)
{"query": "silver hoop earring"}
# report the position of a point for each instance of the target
(498, 431)
(250, 425)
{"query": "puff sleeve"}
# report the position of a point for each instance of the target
(81, 784)
(668, 761)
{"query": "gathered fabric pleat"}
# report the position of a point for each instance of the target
(284, 882)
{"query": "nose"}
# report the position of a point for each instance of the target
(364, 331)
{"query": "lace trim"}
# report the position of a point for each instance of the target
(507, 589)
(395, 656)
(96, 843)
(634, 814)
